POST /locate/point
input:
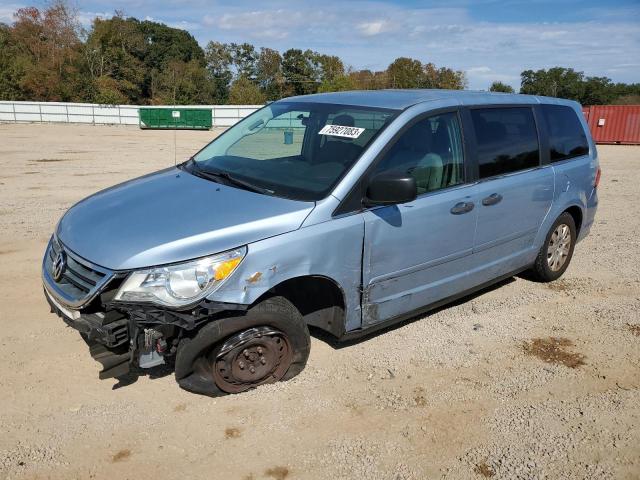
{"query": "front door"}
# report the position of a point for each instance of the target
(419, 252)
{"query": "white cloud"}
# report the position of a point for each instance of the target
(479, 70)
(181, 24)
(369, 29)
(267, 24)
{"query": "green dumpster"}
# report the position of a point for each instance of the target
(175, 118)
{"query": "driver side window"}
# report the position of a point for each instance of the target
(430, 151)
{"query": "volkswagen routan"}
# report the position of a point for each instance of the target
(344, 211)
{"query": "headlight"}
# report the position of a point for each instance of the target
(181, 284)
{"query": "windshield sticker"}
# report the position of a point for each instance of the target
(340, 131)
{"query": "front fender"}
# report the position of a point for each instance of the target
(331, 249)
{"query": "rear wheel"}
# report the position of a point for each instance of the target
(268, 344)
(556, 252)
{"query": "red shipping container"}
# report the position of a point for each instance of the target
(614, 123)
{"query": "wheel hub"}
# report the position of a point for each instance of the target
(559, 247)
(250, 358)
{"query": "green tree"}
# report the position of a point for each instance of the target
(567, 83)
(11, 71)
(597, 91)
(244, 58)
(337, 84)
(328, 67)
(443, 77)
(131, 54)
(269, 73)
(244, 92)
(164, 44)
(405, 73)
(182, 83)
(368, 80)
(498, 86)
(298, 72)
(555, 82)
(45, 48)
(218, 58)
(626, 90)
(631, 99)
(107, 90)
(114, 53)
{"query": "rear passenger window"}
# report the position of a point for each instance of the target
(566, 135)
(430, 151)
(507, 140)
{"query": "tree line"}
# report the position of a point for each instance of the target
(46, 55)
(568, 83)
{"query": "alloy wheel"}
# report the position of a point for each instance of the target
(559, 247)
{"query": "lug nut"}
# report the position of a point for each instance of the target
(241, 365)
(246, 353)
(252, 370)
(259, 350)
(263, 360)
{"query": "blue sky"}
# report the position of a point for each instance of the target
(489, 39)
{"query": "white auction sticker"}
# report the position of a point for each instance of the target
(340, 131)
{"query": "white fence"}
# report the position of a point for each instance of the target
(89, 113)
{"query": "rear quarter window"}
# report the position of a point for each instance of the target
(507, 140)
(567, 138)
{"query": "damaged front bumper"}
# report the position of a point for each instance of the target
(120, 335)
(126, 335)
(107, 335)
(110, 329)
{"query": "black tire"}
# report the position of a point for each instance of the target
(542, 270)
(196, 357)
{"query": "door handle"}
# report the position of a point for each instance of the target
(492, 199)
(462, 207)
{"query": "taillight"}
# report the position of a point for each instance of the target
(596, 182)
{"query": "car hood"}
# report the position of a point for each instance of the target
(172, 216)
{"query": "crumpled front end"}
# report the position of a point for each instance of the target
(120, 335)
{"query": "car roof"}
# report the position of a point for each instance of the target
(398, 99)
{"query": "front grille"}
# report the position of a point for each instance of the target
(80, 280)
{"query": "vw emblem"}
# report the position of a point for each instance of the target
(59, 264)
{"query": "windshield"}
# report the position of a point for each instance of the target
(294, 150)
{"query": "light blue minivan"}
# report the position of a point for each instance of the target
(345, 211)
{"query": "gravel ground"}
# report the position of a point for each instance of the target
(524, 380)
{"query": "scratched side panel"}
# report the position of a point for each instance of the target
(332, 249)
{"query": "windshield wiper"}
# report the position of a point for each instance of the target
(217, 175)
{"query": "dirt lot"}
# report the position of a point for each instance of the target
(522, 381)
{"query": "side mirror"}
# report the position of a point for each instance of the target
(390, 188)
